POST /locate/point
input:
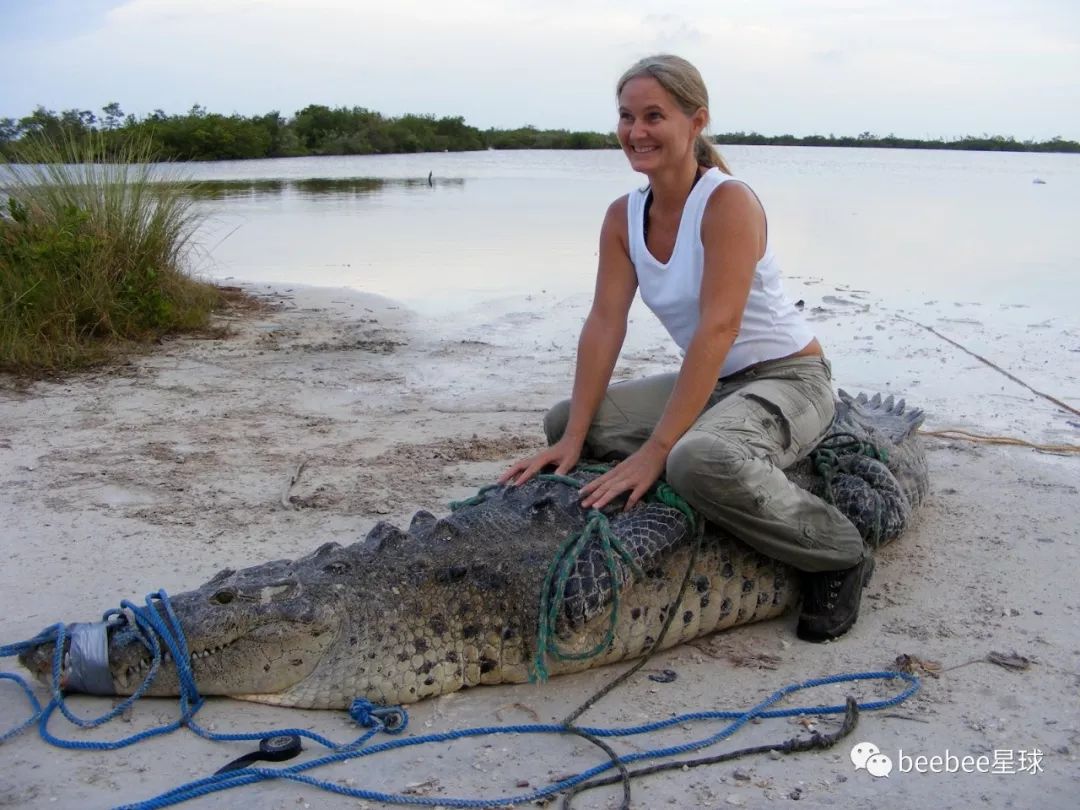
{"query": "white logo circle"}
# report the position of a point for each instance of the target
(862, 752)
(879, 765)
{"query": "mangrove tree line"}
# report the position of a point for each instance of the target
(319, 130)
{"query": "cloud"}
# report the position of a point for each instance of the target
(773, 65)
(673, 32)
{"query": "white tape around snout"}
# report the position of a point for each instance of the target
(88, 657)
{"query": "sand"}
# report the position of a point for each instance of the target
(159, 472)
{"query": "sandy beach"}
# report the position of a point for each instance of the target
(159, 472)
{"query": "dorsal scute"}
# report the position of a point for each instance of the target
(385, 535)
(874, 419)
(325, 550)
(422, 522)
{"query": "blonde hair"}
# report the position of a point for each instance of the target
(684, 84)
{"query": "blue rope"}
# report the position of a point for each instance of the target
(149, 623)
(140, 620)
(35, 704)
(296, 773)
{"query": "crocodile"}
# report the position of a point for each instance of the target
(452, 602)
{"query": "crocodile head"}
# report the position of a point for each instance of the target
(255, 632)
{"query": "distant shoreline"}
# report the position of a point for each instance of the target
(985, 143)
(317, 130)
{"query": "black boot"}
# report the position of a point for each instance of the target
(831, 601)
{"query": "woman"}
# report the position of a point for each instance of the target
(753, 393)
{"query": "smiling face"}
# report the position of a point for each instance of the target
(655, 133)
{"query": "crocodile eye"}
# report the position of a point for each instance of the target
(337, 567)
(223, 597)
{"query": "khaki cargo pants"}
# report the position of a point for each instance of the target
(729, 465)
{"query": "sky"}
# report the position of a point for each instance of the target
(915, 68)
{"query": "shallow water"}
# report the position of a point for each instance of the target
(502, 246)
(947, 223)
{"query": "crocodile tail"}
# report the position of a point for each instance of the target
(888, 417)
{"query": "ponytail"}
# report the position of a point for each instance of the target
(707, 155)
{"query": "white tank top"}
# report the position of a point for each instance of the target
(771, 326)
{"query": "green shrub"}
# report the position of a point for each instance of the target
(92, 255)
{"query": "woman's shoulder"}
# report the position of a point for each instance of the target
(733, 211)
(732, 196)
(619, 206)
(616, 212)
(615, 226)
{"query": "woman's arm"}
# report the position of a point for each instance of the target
(733, 235)
(598, 347)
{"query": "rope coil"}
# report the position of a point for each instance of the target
(597, 527)
(827, 459)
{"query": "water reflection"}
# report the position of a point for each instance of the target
(911, 227)
(312, 187)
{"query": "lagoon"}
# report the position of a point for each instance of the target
(501, 245)
(899, 222)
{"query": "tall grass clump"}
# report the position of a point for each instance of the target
(92, 252)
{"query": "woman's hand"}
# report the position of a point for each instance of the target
(636, 474)
(564, 454)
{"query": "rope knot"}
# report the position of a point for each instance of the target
(391, 719)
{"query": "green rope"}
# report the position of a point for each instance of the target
(559, 571)
(597, 526)
(562, 566)
(478, 498)
(825, 459)
(662, 492)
